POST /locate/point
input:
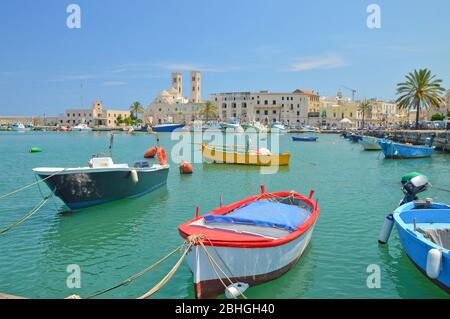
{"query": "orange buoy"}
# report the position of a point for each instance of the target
(185, 168)
(151, 152)
(162, 157)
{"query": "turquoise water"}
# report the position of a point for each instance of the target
(356, 189)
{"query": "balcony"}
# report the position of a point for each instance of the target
(313, 114)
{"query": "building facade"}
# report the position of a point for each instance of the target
(264, 107)
(338, 112)
(95, 116)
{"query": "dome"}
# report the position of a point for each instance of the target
(164, 93)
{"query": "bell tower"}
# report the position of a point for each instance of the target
(195, 87)
(177, 83)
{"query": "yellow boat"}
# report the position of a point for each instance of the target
(229, 156)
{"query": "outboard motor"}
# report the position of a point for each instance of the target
(413, 184)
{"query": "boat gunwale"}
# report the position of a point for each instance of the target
(47, 171)
(185, 228)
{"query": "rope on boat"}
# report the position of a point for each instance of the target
(28, 215)
(30, 185)
(215, 265)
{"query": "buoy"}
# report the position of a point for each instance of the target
(185, 168)
(134, 176)
(235, 290)
(162, 157)
(386, 230)
(434, 260)
(151, 152)
(35, 150)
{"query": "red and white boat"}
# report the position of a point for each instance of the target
(252, 241)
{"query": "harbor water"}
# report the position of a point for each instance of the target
(355, 189)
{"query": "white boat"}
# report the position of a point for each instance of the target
(19, 127)
(255, 127)
(277, 127)
(370, 143)
(233, 125)
(81, 128)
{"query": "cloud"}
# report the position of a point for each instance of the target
(330, 61)
(114, 83)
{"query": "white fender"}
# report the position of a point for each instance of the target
(134, 176)
(386, 230)
(235, 290)
(434, 260)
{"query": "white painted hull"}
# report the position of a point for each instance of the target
(370, 145)
(250, 265)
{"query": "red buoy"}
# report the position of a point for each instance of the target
(162, 157)
(185, 168)
(151, 152)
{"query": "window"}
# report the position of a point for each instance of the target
(68, 114)
(224, 105)
(274, 102)
(253, 97)
(334, 114)
(215, 99)
(234, 114)
(266, 102)
(79, 114)
(292, 106)
(233, 105)
(282, 98)
(298, 113)
(266, 112)
(342, 115)
(73, 114)
(244, 105)
(351, 114)
(257, 111)
(257, 102)
(274, 112)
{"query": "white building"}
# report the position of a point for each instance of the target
(95, 116)
(265, 107)
(171, 106)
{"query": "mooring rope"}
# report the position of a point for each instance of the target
(28, 215)
(30, 185)
(135, 276)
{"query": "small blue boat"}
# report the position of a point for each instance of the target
(305, 138)
(424, 230)
(397, 150)
(167, 127)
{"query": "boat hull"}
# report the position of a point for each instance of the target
(370, 144)
(400, 151)
(417, 248)
(304, 139)
(166, 128)
(228, 157)
(83, 189)
(242, 264)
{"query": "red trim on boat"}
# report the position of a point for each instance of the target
(221, 238)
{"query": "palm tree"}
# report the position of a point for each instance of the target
(364, 106)
(135, 109)
(208, 110)
(420, 90)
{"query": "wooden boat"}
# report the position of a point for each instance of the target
(254, 240)
(424, 231)
(370, 144)
(397, 150)
(305, 138)
(259, 157)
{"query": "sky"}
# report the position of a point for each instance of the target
(124, 51)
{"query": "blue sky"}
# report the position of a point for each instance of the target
(126, 50)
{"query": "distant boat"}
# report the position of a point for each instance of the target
(277, 127)
(305, 138)
(102, 181)
(354, 138)
(238, 155)
(166, 127)
(232, 125)
(309, 129)
(370, 143)
(81, 128)
(398, 151)
(254, 240)
(19, 127)
(255, 127)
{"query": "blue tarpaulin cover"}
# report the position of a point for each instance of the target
(264, 213)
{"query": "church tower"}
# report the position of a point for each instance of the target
(195, 87)
(177, 83)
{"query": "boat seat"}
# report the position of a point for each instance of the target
(439, 236)
(102, 162)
